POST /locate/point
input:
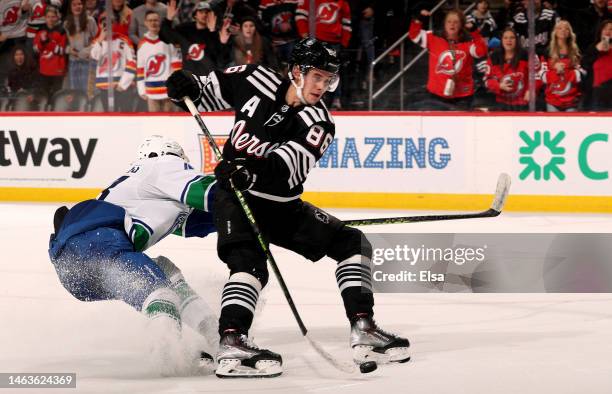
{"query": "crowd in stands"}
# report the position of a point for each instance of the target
(54, 53)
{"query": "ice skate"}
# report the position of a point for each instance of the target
(371, 343)
(206, 363)
(238, 358)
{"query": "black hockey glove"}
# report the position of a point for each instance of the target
(183, 83)
(237, 172)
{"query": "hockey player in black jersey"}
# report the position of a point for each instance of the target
(281, 129)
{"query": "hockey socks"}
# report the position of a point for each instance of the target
(238, 302)
(162, 304)
(194, 311)
(354, 279)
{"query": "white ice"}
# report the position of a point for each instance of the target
(461, 343)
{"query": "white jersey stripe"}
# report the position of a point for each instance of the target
(270, 74)
(217, 88)
(306, 118)
(260, 87)
(273, 197)
(266, 81)
(313, 114)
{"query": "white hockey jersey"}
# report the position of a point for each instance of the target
(159, 194)
(156, 61)
(123, 63)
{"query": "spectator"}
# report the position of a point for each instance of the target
(122, 68)
(586, 22)
(50, 43)
(333, 25)
(203, 49)
(23, 74)
(482, 20)
(121, 17)
(137, 24)
(508, 73)
(13, 22)
(251, 48)
(81, 30)
(278, 19)
(36, 15)
(93, 8)
(598, 63)
(333, 21)
(451, 54)
(156, 61)
(545, 22)
(561, 73)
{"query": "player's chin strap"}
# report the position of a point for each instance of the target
(298, 88)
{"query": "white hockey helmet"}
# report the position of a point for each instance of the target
(157, 145)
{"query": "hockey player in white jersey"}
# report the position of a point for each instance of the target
(98, 245)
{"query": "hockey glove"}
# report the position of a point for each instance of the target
(183, 83)
(236, 173)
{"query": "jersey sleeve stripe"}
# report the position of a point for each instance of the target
(288, 159)
(259, 76)
(260, 87)
(211, 94)
(270, 74)
(217, 90)
(321, 113)
(187, 186)
(306, 118)
(143, 224)
(313, 114)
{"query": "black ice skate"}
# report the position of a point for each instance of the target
(370, 343)
(206, 363)
(238, 358)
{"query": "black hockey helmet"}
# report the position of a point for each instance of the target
(312, 53)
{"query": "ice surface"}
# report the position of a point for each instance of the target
(462, 343)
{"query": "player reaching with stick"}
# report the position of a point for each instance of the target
(281, 129)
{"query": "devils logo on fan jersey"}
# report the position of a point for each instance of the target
(196, 52)
(104, 66)
(450, 62)
(516, 83)
(156, 65)
(327, 13)
(561, 88)
(11, 16)
(38, 11)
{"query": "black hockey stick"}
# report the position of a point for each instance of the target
(501, 192)
(264, 246)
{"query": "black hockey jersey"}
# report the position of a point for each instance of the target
(285, 141)
(544, 24)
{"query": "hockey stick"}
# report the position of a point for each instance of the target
(501, 192)
(344, 367)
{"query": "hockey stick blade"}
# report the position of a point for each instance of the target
(344, 367)
(501, 193)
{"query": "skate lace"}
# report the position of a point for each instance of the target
(248, 342)
(384, 332)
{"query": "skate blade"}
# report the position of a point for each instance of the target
(232, 368)
(362, 353)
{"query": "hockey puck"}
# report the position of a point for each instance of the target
(368, 366)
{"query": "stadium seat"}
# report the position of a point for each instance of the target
(96, 104)
(28, 101)
(69, 100)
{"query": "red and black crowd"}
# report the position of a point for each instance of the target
(54, 54)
